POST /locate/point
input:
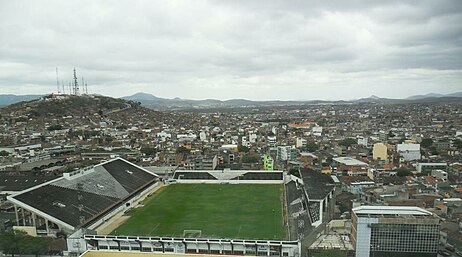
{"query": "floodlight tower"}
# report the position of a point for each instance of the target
(76, 84)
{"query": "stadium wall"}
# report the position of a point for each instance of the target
(194, 245)
(206, 181)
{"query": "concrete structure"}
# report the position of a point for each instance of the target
(84, 198)
(441, 175)
(193, 245)
(350, 166)
(379, 152)
(394, 231)
(410, 152)
(427, 167)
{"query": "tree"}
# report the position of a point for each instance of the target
(11, 241)
(347, 142)
(182, 149)
(250, 158)
(55, 127)
(148, 151)
(311, 147)
(402, 172)
(458, 143)
(4, 153)
(243, 149)
(35, 245)
(426, 142)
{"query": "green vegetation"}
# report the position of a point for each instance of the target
(18, 242)
(55, 127)
(148, 151)
(458, 143)
(4, 153)
(347, 142)
(311, 147)
(243, 149)
(222, 211)
(182, 149)
(250, 158)
(426, 142)
(402, 172)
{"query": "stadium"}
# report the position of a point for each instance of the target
(119, 206)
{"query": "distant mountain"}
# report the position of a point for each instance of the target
(11, 99)
(457, 94)
(433, 95)
(152, 101)
(142, 96)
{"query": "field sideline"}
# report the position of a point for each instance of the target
(219, 211)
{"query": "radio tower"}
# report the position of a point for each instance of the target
(76, 84)
(57, 81)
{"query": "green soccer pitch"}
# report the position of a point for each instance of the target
(218, 211)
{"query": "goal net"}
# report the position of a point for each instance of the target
(192, 233)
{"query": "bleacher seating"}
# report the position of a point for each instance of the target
(129, 176)
(314, 210)
(299, 221)
(64, 203)
(260, 176)
(84, 197)
(193, 175)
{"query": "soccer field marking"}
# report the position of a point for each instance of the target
(150, 232)
(216, 212)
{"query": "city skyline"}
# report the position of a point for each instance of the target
(258, 51)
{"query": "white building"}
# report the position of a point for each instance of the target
(394, 231)
(410, 152)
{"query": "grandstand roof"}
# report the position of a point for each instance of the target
(78, 198)
(317, 185)
(20, 182)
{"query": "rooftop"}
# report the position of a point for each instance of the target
(350, 161)
(391, 210)
(317, 185)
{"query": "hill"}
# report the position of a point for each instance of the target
(155, 102)
(85, 110)
(11, 99)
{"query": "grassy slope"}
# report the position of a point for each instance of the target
(223, 211)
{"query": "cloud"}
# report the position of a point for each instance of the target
(234, 49)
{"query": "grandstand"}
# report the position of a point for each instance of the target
(83, 199)
(244, 176)
(309, 201)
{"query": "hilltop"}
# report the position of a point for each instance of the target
(72, 111)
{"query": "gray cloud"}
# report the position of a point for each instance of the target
(229, 49)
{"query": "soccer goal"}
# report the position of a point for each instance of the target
(192, 233)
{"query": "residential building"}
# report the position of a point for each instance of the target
(410, 152)
(381, 231)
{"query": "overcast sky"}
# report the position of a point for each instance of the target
(260, 50)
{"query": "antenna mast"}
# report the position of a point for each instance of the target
(76, 84)
(57, 81)
(83, 86)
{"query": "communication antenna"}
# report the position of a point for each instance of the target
(57, 80)
(76, 84)
(62, 83)
(83, 85)
(70, 88)
(86, 88)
